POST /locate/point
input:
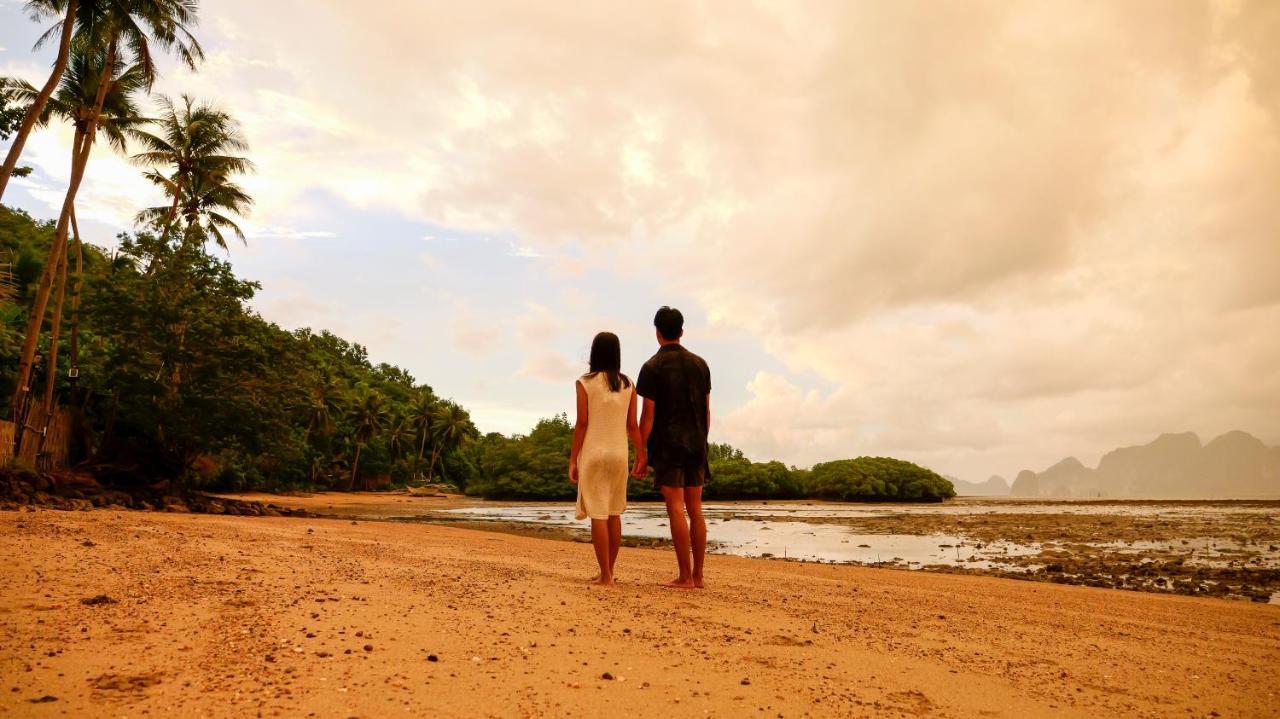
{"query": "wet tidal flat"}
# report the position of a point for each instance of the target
(1227, 549)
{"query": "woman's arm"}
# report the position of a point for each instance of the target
(579, 431)
(633, 429)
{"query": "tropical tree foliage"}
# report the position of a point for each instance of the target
(232, 401)
(109, 35)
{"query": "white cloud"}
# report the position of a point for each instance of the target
(476, 337)
(550, 367)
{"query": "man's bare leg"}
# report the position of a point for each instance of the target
(615, 540)
(600, 541)
(697, 531)
(674, 497)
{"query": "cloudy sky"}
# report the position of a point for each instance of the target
(977, 235)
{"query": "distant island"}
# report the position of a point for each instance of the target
(1236, 465)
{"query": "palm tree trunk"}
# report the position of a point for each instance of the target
(355, 466)
(55, 329)
(46, 92)
(80, 434)
(168, 226)
(422, 449)
(75, 298)
(173, 209)
(36, 319)
(431, 471)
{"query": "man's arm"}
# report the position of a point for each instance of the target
(646, 428)
(708, 411)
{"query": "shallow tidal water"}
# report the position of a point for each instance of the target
(813, 532)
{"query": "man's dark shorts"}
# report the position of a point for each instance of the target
(679, 477)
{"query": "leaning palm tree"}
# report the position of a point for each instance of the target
(368, 413)
(192, 160)
(39, 10)
(108, 32)
(94, 108)
(113, 26)
(451, 429)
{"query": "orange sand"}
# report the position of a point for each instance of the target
(241, 616)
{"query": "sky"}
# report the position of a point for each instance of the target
(977, 236)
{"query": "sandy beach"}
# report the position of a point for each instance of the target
(106, 613)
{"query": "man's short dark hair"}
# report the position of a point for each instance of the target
(670, 323)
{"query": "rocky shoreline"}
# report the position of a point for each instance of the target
(79, 491)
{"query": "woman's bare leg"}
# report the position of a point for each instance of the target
(674, 497)
(697, 530)
(615, 540)
(600, 541)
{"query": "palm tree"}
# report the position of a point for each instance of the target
(422, 412)
(207, 208)
(93, 107)
(399, 436)
(104, 29)
(106, 25)
(451, 429)
(323, 401)
(193, 143)
(38, 10)
(368, 413)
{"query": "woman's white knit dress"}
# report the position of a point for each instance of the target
(602, 462)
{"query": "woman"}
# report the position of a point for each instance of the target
(598, 463)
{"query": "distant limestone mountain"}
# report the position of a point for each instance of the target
(996, 486)
(1236, 465)
(1026, 484)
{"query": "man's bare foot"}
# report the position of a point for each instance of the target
(679, 583)
(602, 581)
(697, 583)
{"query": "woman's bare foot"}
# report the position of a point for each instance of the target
(603, 581)
(697, 583)
(680, 583)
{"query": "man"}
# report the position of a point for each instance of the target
(676, 386)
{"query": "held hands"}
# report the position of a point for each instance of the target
(640, 468)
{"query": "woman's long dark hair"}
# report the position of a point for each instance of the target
(606, 356)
